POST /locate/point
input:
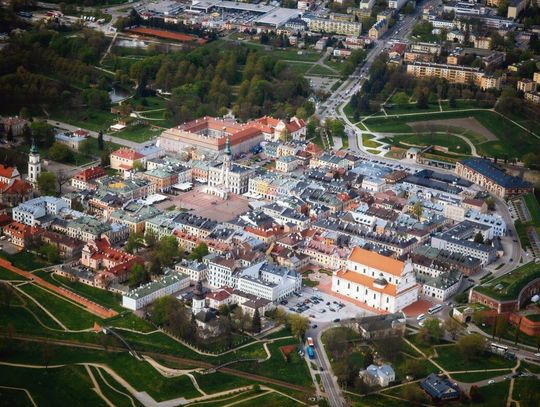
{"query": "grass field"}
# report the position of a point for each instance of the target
(367, 141)
(71, 315)
(512, 140)
(451, 359)
(51, 387)
(92, 119)
(533, 207)
(411, 108)
(512, 283)
(453, 143)
(300, 67)
(269, 400)
(5, 274)
(139, 133)
(25, 260)
(321, 71)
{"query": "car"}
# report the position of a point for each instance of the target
(420, 317)
(328, 303)
(314, 326)
(511, 259)
(311, 316)
(491, 381)
(537, 354)
(323, 311)
(337, 320)
(284, 302)
(332, 309)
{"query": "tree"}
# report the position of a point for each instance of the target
(452, 101)
(150, 238)
(60, 152)
(199, 252)
(6, 295)
(43, 133)
(417, 209)
(47, 353)
(475, 394)
(432, 330)
(167, 250)
(137, 275)
(86, 147)
(490, 202)
(501, 327)
(101, 143)
(134, 242)
(479, 238)
(471, 346)
(298, 324)
(256, 322)
(453, 327)
(401, 98)
(413, 367)
(47, 183)
(105, 159)
(161, 309)
(50, 251)
(422, 101)
(531, 160)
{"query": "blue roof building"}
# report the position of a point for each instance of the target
(439, 388)
(486, 174)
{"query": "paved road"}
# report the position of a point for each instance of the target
(328, 380)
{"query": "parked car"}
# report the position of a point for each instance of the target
(337, 320)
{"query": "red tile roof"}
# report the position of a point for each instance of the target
(6, 172)
(127, 153)
(91, 173)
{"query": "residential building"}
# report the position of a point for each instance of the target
(222, 272)
(39, 210)
(375, 375)
(440, 388)
(124, 159)
(134, 215)
(378, 29)
(490, 82)
(268, 281)
(441, 287)
(83, 180)
(536, 77)
(21, 234)
(279, 129)
(330, 161)
(334, 26)
(72, 139)
(68, 247)
(382, 326)
(486, 174)
(380, 282)
(526, 85)
(452, 73)
(533, 97)
(13, 189)
(146, 294)
(396, 4)
(287, 163)
(15, 125)
(196, 271)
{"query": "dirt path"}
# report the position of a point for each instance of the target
(468, 123)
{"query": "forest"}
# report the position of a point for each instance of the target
(45, 70)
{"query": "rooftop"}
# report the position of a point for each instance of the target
(491, 171)
(509, 286)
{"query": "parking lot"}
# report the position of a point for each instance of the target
(322, 307)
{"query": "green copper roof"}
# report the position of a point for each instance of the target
(34, 149)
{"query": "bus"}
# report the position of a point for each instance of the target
(310, 352)
(497, 348)
(310, 342)
(435, 309)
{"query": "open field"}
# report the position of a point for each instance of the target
(453, 143)
(25, 260)
(477, 376)
(454, 126)
(512, 283)
(451, 359)
(511, 140)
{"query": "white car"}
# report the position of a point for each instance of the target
(491, 381)
(421, 317)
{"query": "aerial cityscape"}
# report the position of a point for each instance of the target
(270, 203)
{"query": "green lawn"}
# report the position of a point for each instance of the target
(512, 283)
(90, 119)
(64, 386)
(116, 398)
(460, 104)
(138, 133)
(14, 397)
(402, 392)
(103, 297)
(533, 207)
(216, 382)
(494, 395)
(512, 140)
(451, 359)
(531, 367)
(453, 143)
(25, 260)
(534, 317)
(296, 55)
(367, 141)
(322, 71)
(295, 371)
(269, 400)
(411, 108)
(523, 386)
(300, 67)
(5, 274)
(477, 376)
(71, 315)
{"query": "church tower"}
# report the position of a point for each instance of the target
(198, 303)
(227, 164)
(34, 164)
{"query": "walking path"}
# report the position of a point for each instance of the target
(23, 390)
(88, 305)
